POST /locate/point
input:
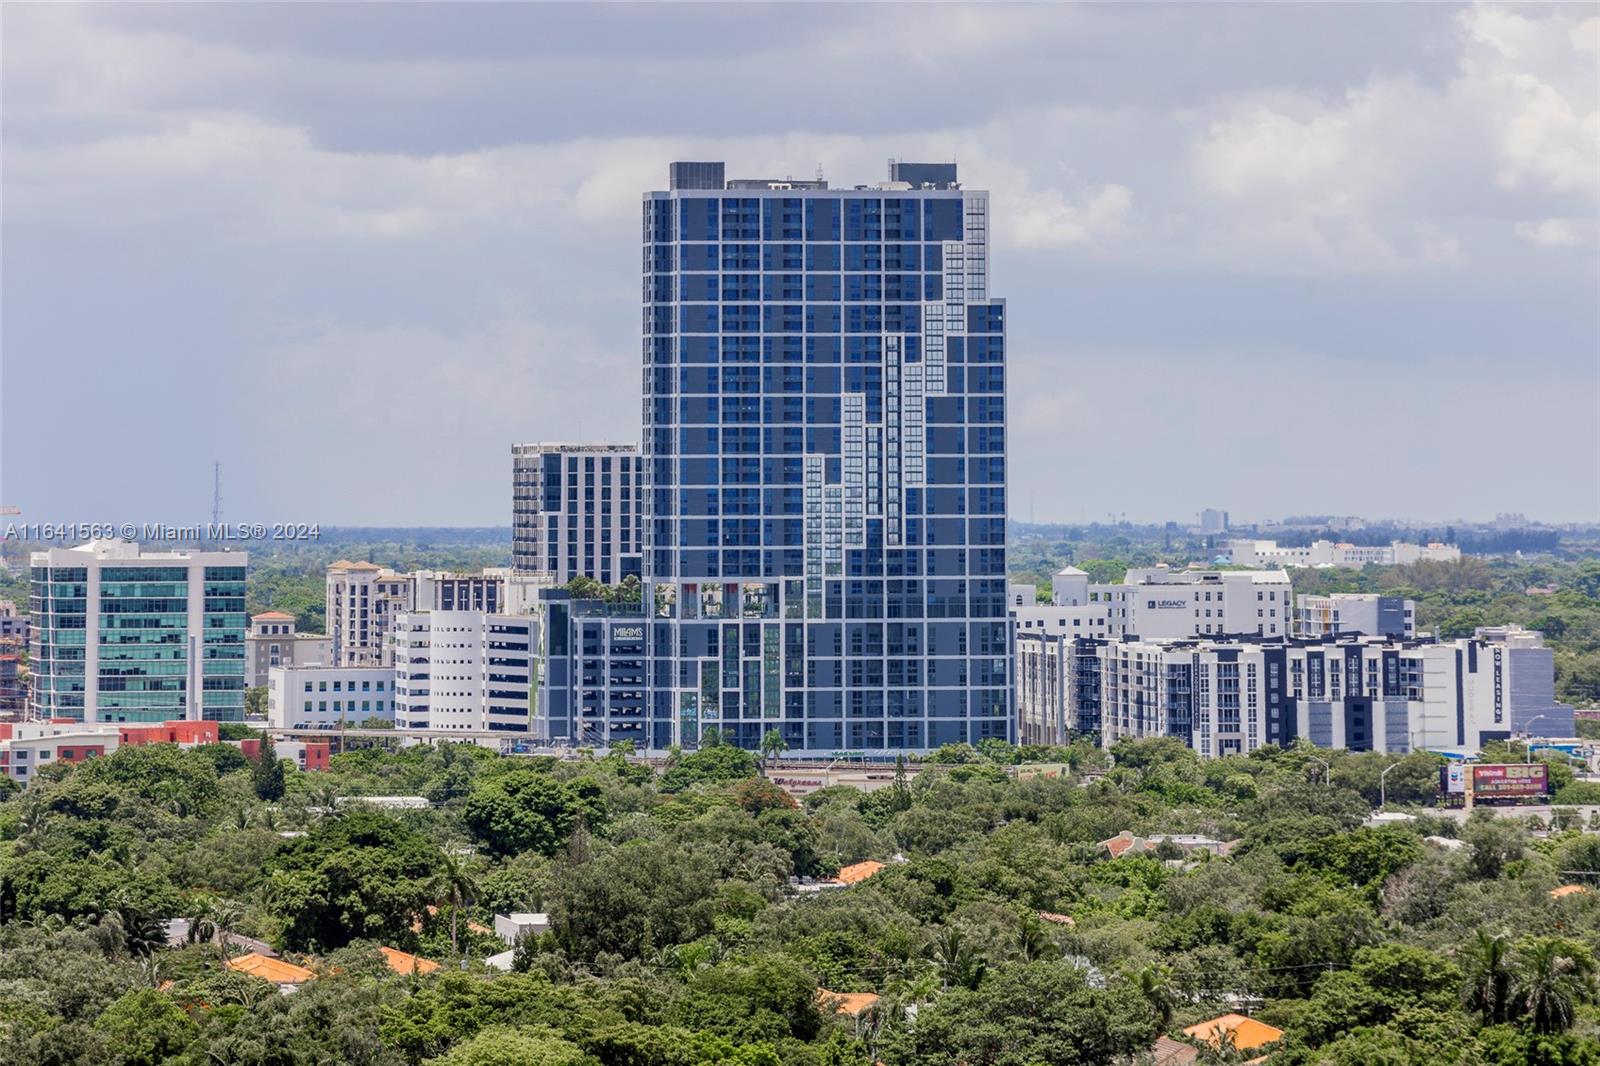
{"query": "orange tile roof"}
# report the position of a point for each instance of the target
(1120, 843)
(273, 615)
(472, 927)
(275, 970)
(1248, 1034)
(1058, 919)
(858, 872)
(405, 963)
(851, 1003)
(1570, 890)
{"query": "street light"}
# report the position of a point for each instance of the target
(1327, 775)
(1383, 790)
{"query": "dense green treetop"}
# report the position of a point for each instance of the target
(999, 930)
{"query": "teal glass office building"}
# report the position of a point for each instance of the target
(824, 459)
(124, 635)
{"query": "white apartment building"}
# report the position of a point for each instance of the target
(363, 599)
(1160, 603)
(577, 510)
(1219, 697)
(1354, 612)
(317, 697)
(1325, 553)
(465, 670)
(1227, 696)
(272, 641)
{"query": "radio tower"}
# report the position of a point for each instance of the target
(216, 493)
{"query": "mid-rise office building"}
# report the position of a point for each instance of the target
(122, 634)
(594, 676)
(1354, 612)
(314, 697)
(575, 510)
(465, 670)
(1325, 553)
(824, 461)
(362, 602)
(273, 641)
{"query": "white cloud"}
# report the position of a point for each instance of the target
(1047, 218)
(1551, 232)
(477, 270)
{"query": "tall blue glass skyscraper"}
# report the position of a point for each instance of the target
(824, 463)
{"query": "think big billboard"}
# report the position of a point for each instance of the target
(1510, 779)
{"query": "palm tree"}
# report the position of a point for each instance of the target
(958, 964)
(1034, 941)
(141, 932)
(772, 746)
(1155, 986)
(30, 822)
(1488, 987)
(198, 914)
(1552, 977)
(456, 884)
(225, 917)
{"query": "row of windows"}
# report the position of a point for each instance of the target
(814, 218)
(366, 686)
(813, 350)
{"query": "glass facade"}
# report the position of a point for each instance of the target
(115, 637)
(575, 510)
(824, 465)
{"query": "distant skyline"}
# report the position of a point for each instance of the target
(355, 252)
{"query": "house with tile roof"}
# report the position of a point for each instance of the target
(1241, 1032)
(286, 975)
(855, 873)
(402, 962)
(848, 1003)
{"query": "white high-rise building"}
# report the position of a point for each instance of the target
(465, 670)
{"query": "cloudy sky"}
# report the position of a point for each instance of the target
(1290, 259)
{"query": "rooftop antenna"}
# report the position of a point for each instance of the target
(819, 172)
(216, 493)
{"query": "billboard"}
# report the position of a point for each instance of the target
(1510, 779)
